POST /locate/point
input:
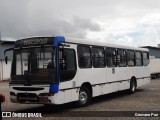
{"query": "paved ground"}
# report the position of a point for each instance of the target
(146, 99)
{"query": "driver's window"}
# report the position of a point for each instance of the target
(67, 59)
(67, 63)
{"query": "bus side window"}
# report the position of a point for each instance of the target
(70, 59)
(98, 57)
(67, 62)
(62, 57)
(138, 58)
(122, 56)
(145, 58)
(84, 56)
(130, 58)
(111, 57)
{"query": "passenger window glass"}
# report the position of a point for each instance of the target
(138, 58)
(145, 58)
(122, 58)
(111, 57)
(130, 58)
(98, 57)
(84, 56)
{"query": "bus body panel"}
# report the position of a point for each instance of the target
(103, 80)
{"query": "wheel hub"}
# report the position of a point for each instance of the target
(83, 97)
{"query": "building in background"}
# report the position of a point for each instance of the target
(154, 51)
(5, 69)
(154, 60)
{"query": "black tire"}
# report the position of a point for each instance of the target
(132, 87)
(84, 97)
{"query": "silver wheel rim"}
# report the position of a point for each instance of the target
(133, 87)
(83, 97)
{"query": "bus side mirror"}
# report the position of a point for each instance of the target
(6, 59)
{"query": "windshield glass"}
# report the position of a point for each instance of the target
(34, 65)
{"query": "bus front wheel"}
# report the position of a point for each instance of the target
(84, 97)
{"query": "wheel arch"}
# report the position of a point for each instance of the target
(89, 86)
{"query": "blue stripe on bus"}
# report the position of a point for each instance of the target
(58, 39)
(54, 88)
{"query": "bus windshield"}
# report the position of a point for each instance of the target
(33, 66)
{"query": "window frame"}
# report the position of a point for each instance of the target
(93, 58)
(145, 58)
(123, 57)
(107, 63)
(87, 46)
(138, 58)
(129, 57)
(74, 56)
(71, 72)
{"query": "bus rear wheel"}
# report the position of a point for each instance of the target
(132, 86)
(84, 97)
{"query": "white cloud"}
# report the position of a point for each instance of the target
(149, 37)
(123, 22)
(151, 18)
(126, 40)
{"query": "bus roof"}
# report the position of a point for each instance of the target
(97, 43)
(50, 41)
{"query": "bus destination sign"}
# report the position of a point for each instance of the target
(40, 41)
(37, 41)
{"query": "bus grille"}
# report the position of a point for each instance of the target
(27, 88)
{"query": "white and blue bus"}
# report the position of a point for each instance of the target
(59, 70)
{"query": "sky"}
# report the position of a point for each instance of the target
(125, 22)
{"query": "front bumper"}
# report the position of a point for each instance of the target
(36, 94)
